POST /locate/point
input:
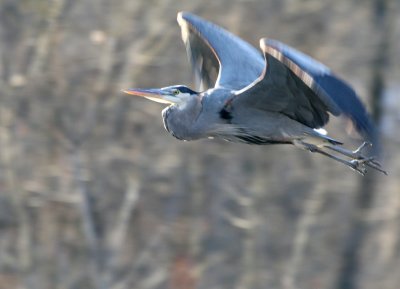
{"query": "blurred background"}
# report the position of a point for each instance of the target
(94, 193)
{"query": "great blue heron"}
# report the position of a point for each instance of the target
(281, 98)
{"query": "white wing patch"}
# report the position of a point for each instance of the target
(321, 131)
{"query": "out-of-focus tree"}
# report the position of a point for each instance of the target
(95, 194)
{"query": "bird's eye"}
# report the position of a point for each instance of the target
(175, 91)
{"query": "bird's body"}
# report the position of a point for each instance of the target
(281, 98)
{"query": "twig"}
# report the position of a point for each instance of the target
(118, 235)
(87, 218)
(302, 235)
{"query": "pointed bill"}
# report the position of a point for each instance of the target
(156, 95)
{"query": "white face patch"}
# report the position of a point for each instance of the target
(181, 99)
(177, 95)
(183, 95)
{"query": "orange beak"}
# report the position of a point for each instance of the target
(156, 95)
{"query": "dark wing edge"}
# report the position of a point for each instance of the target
(333, 91)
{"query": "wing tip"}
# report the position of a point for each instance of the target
(365, 125)
(185, 21)
(269, 44)
(264, 44)
(267, 48)
(184, 24)
(181, 17)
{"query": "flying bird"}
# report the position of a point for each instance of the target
(278, 96)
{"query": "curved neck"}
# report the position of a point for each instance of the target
(180, 119)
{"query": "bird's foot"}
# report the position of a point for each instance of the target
(359, 161)
(359, 165)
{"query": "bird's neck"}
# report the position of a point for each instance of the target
(179, 120)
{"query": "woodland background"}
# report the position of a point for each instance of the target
(95, 194)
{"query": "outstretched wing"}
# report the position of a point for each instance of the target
(303, 89)
(218, 57)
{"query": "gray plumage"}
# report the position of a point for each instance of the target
(276, 96)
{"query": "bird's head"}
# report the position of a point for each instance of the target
(176, 94)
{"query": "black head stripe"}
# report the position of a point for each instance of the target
(185, 89)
